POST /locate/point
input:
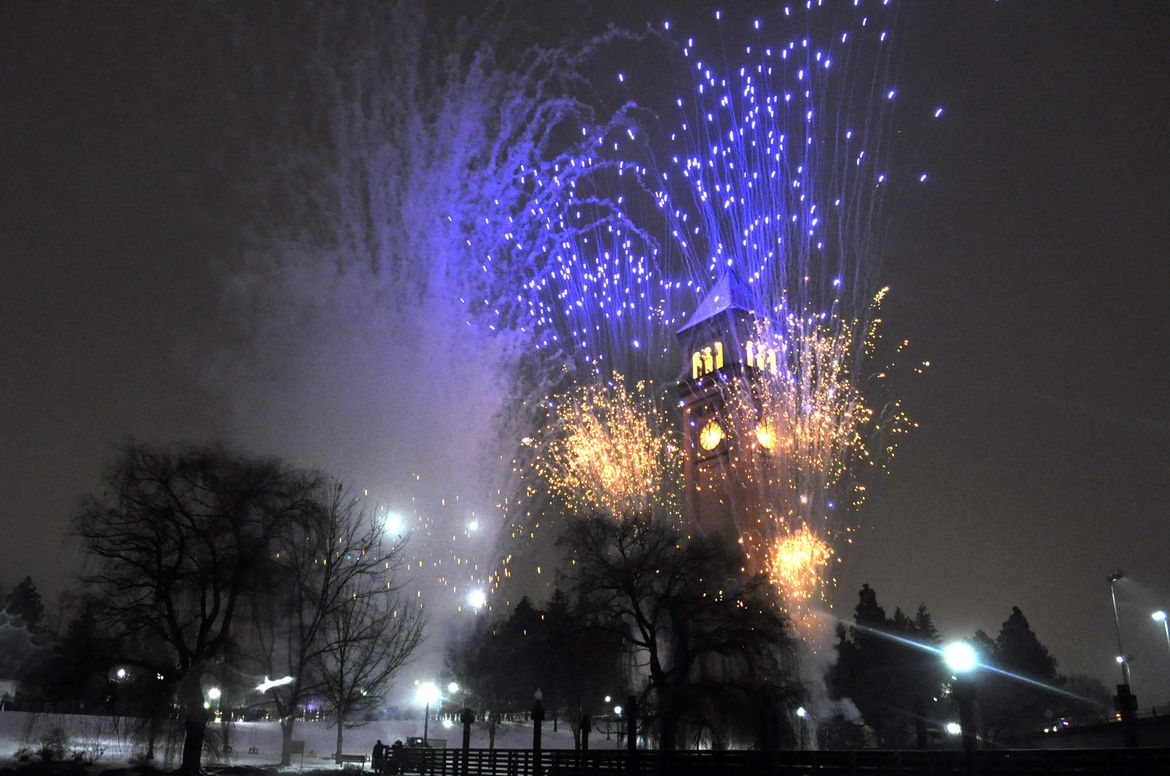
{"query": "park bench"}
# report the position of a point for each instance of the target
(353, 758)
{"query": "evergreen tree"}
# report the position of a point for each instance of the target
(25, 602)
(889, 669)
(1013, 699)
(1019, 651)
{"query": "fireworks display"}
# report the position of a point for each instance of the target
(778, 174)
(595, 254)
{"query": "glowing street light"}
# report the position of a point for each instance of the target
(453, 687)
(960, 657)
(426, 694)
(1160, 616)
(214, 694)
(476, 599)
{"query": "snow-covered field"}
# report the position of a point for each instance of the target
(116, 740)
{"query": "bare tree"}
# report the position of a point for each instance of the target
(332, 549)
(178, 538)
(367, 640)
(703, 632)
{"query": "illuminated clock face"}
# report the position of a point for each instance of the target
(711, 435)
(766, 436)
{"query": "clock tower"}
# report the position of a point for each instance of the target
(720, 360)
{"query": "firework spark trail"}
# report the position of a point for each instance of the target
(612, 450)
(779, 172)
(781, 167)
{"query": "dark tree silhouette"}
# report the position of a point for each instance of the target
(177, 539)
(366, 640)
(481, 660)
(703, 631)
(1018, 698)
(562, 650)
(25, 602)
(318, 560)
(77, 671)
(889, 668)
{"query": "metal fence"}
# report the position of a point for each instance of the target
(560, 762)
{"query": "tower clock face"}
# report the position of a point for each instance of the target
(711, 435)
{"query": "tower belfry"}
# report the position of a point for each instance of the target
(720, 358)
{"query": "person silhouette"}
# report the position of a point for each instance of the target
(379, 756)
(396, 757)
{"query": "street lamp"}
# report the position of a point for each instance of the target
(537, 718)
(1160, 616)
(426, 694)
(1125, 702)
(961, 659)
(1114, 578)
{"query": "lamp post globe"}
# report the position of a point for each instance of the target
(960, 657)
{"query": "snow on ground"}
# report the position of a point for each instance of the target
(117, 739)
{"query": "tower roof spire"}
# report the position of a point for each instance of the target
(729, 293)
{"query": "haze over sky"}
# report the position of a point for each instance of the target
(1033, 272)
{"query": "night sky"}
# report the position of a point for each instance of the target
(1032, 272)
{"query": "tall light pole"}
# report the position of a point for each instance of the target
(1114, 578)
(426, 694)
(1125, 702)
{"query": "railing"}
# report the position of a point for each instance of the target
(568, 762)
